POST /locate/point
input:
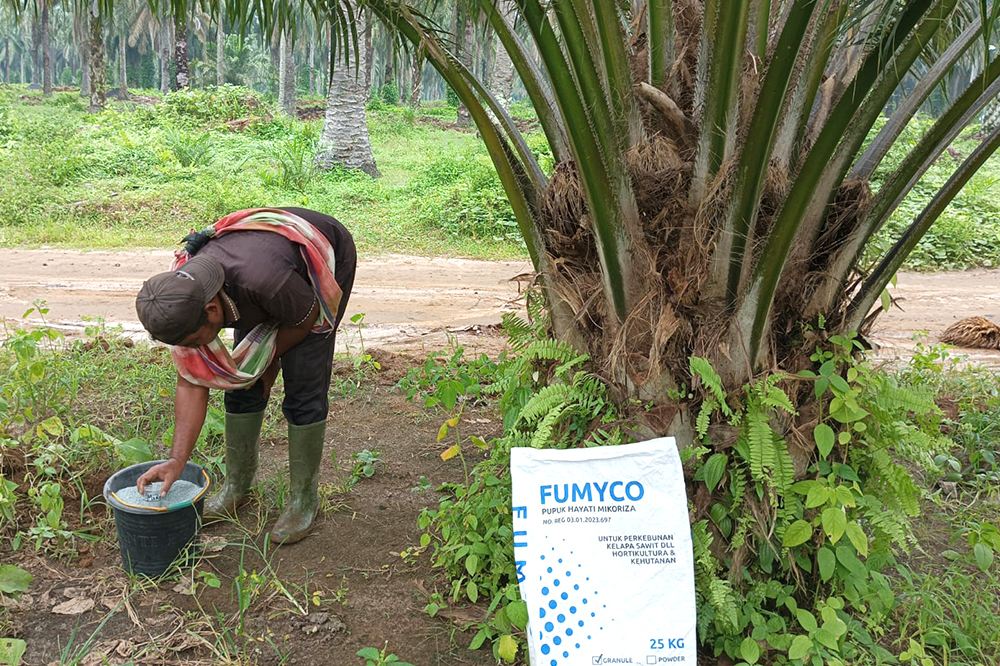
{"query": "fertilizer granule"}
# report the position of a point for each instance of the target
(181, 491)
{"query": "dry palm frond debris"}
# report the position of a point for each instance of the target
(975, 332)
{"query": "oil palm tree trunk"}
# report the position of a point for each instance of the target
(465, 53)
(46, 51)
(220, 52)
(312, 63)
(416, 79)
(344, 139)
(502, 83)
(990, 118)
(166, 45)
(36, 54)
(95, 61)
(369, 56)
(122, 70)
(286, 74)
(181, 76)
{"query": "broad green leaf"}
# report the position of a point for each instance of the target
(846, 556)
(472, 591)
(448, 395)
(803, 487)
(824, 636)
(450, 452)
(478, 640)
(801, 646)
(806, 619)
(472, 564)
(517, 613)
(369, 653)
(835, 626)
(984, 556)
(845, 496)
(135, 450)
(818, 495)
(834, 523)
(452, 423)
(478, 442)
(507, 648)
(750, 650)
(827, 563)
(11, 651)
(715, 467)
(858, 538)
(442, 431)
(839, 383)
(823, 434)
(13, 580)
(53, 425)
(425, 539)
(796, 534)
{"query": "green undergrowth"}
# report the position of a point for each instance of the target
(74, 411)
(847, 562)
(142, 175)
(967, 234)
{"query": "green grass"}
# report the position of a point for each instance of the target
(968, 232)
(142, 176)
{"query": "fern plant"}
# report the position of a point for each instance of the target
(838, 526)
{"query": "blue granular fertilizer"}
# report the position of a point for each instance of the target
(181, 491)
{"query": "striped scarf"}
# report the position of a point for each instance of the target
(213, 365)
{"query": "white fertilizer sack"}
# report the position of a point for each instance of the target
(602, 542)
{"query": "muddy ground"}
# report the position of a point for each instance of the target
(372, 581)
(411, 302)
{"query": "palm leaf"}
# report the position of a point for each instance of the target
(894, 258)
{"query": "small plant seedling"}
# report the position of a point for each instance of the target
(366, 464)
(375, 657)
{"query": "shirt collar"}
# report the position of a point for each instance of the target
(232, 312)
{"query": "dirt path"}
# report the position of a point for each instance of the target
(411, 301)
(407, 301)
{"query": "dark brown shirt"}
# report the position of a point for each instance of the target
(266, 276)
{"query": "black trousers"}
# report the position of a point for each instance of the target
(306, 367)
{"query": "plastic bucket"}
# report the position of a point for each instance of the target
(151, 539)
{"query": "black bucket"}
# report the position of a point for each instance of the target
(151, 539)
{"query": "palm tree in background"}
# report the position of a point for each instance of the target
(46, 59)
(95, 56)
(286, 72)
(344, 139)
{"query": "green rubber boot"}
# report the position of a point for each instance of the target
(305, 450)
(242, 434)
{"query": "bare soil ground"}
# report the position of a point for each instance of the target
(411, 302)
(371, 591)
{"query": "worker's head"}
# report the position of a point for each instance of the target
(183, 307)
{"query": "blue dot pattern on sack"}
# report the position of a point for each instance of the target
(554, 634)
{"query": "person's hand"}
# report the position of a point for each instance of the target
(167, 472)
(269, 376)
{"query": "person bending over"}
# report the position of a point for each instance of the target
(281, 277)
